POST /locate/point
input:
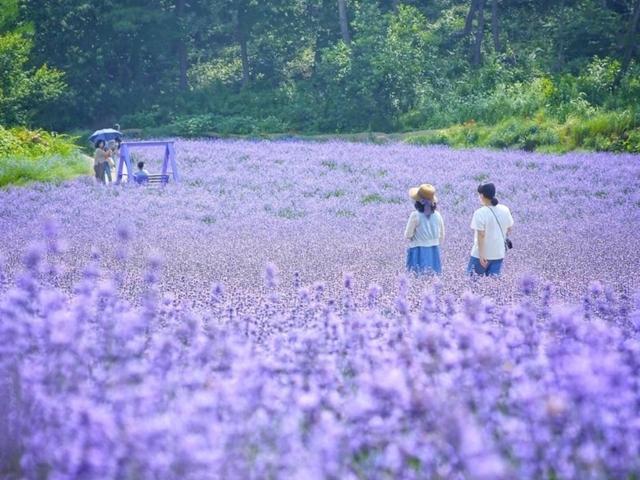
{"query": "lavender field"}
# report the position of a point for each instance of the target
(255, 321)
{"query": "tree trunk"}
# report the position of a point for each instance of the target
(468, 22)
(181, 46)
(495, 25)
(629, 43)
(242, 40)
(344, 21)
(477, 47)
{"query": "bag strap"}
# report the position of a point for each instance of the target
(499, 226)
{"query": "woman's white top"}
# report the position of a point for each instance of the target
(484, 221)
(423, 231)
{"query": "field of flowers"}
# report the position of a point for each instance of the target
(254, 321)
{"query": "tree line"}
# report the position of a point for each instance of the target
(310, 65)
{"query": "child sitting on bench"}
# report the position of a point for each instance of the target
(141, 176)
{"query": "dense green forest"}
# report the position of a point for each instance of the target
(532, 74)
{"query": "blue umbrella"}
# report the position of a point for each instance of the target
(105, 134)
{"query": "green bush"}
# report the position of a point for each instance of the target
(24, 91)
(27, 156)
(527, 135)
(22, 142)
(208, 125)
(632, 142)
(603, 131)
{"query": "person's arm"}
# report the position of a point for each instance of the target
(510, 227)
(441, 228)
(410, 230)
(483, 258)
(478, 224)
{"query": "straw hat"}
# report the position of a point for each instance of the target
(425, 192)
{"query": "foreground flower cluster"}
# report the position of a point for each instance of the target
(254, 321)
(314, 387)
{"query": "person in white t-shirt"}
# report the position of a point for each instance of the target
(492, 224)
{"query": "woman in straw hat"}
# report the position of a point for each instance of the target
(425, 231)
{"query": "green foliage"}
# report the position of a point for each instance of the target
(247, 67)
(21, 142)
(27, 156)
(213, 125)
(24, 91)
(371, 83)
(607, 131)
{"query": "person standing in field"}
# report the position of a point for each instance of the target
(114, 154)
(425, 232)
(100, 159)
(492, 224)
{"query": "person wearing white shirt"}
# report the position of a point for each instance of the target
(492, 224)
(425, 232)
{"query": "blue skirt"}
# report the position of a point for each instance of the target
(424, 260)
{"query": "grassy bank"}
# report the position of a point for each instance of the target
(38, 156)
(613, 131)
(610, 131)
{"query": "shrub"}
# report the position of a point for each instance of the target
(603, 131)
(523, 134)
(27, 155)
(22, 142)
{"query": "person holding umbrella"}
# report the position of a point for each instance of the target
(100, 159)
(110, 135)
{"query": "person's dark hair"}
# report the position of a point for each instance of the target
(420, 206)
(140, 165)
(118, 141)
(100, 143)
(488, 191)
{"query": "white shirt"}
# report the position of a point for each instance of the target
(484, 221)
(423, 231)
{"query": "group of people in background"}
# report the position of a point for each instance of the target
(104, 159)
(491, 224)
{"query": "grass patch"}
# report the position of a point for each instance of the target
(334, 193)
(20, 170)
(290, 213)
(330, 164)
(345, 213)
(376, 198)
(38, 156)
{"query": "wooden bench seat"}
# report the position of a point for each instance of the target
(152, 179)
